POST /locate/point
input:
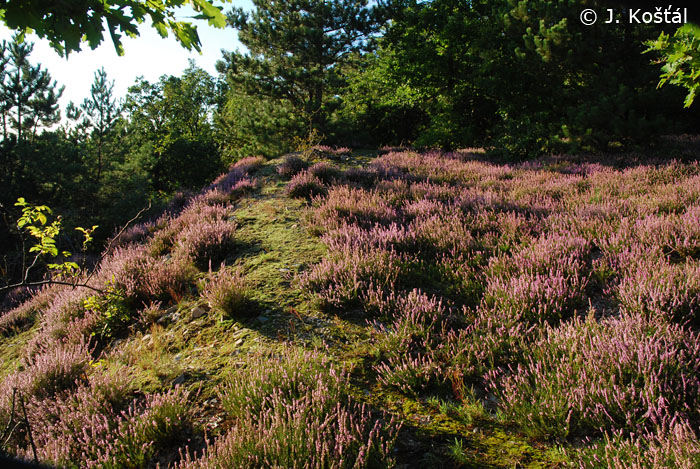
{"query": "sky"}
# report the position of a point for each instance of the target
(148, 55)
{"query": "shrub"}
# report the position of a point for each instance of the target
(326, 173)
(52, 368)
(292, 412)
(305, 185)
(64, 425)
(238, 179)
(349, 237)
(227, 291)
(24, 315)
(360, 176)
(629, 374)
(410, 374)
(168, 279)
(345, 205)
(545, 281)
(410, 341)
(98, 426)
(291, 166)
(250, 164)
(313, 431)
(207, 242)
(345, 279)
(659, 288)
(674, 447)
(113, 313)
(290, 373)
(489, 341)
(125, 268)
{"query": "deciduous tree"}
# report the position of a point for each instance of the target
(67, 25)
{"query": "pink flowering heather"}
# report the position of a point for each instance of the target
(410, 341)
(313, 431)
(291, 373)
(144, 278)
(249, 164)
(349, 237)
(356, 206)
(23, 315)
(135, 234)
(126, 268)
(658, 288)
(629, 374)
(64, 425)
(344, 280)
(51, 369)
(305, 185)
(322, 148)
(295, 414)
(326, 172)
(232, 182)
(168, 279)
(206, 242)
(199, 210)
(227, 291)
(337, 151)
(214, 196)
(291, 165)
(545, 281)
(488, 342)
(361, 177)
(677, 235)
(673, 447)
(99, 425)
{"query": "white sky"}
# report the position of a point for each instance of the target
(148, 55)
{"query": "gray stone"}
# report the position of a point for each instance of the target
(179, 380)
(198, 312)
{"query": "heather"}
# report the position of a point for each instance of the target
(478, 275)
(226, 291)
(414, 309)
(627, 374)
(382, 234)
(292, 409)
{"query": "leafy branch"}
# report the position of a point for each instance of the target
(35, 222)
(680, 55)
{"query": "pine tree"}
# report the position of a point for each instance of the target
(29, 96)
(296, 48)
(97, 116)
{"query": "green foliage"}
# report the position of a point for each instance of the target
(523, 77)
(377, 108)
(170, 129)
(680, 54)
(296, 50)
(35, 222)
(437, 54)
(29, 97)
(45, 235)
(114, 311)
(96, 119)
(68, 28)
(253, 125)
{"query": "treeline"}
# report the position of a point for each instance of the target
(519, 78)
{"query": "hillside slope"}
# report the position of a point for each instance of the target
(408, 310)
